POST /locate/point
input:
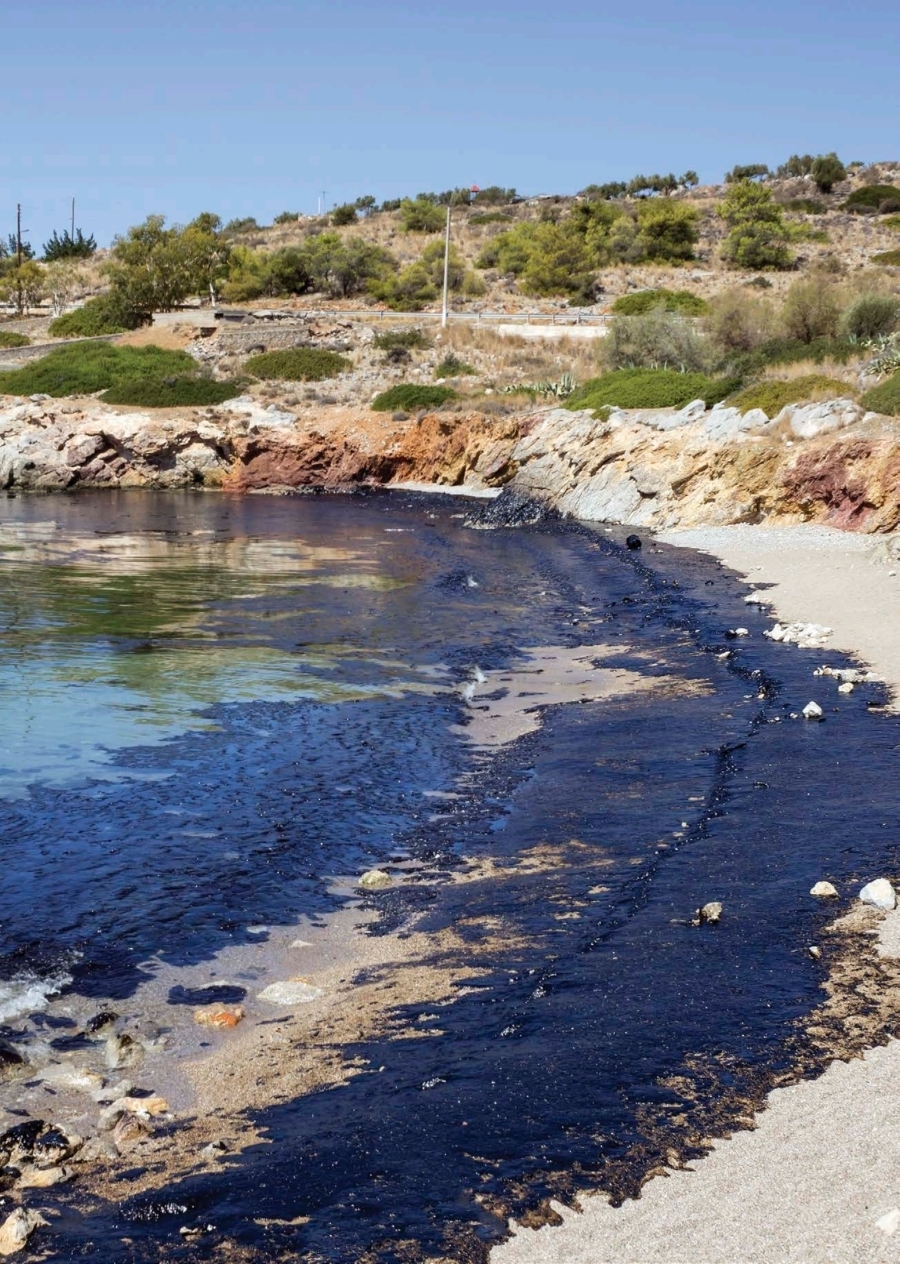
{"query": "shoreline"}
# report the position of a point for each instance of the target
(819, 1167)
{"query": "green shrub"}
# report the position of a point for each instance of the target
(86, 367)
(287, 217)
(870, 197)
(648, 388)
(776, 351)
(297, 364)
(871, 316)
(10, 339)
(452, 366)
(99, 316)
(190, 390)
(656, 340)
(805, 206)
(246, 224)
(758, 235)
(408, 291)
(408, 396)
(408, 339)
(682, 301)
(892, 221)
(884, 398)
(490, 217)
(68, 246)
(771, 396)
(421, 216)
(887, 259)
(811, 310)
(341, 216)
(668, 231)
(738, 321)
(827, 170)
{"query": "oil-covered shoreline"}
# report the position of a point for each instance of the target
(566, 1025)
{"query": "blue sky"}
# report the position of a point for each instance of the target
(253, 108)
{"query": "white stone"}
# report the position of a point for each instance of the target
(17, 1228)
(375, 880)
(889, 1223)
(756, 599)
(290, 992)
(880, 894)
(812, 711)
(824, 890)
(775, 634)
(711, 912)
(846, 687)
(692, 411)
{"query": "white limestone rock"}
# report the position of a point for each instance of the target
(880, 894)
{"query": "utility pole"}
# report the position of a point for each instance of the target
(73, 219)
(19, 303)
(446, 272)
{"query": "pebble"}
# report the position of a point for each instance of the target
(220, 1018)
(122, 1051)
(43, 1177)
(375, 880)
(889, 1223)
(812, 711)
(128, 1131)
(880, 894)
(846, 687)
(711, 913)
(824, 890)
(290, 992)
(815, 952)
(804, 635)
(633, 542)
(17, 1228)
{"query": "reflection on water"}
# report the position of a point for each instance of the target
(123, 638)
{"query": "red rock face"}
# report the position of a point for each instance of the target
(829, 478)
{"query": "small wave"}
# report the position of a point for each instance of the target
(29, 992)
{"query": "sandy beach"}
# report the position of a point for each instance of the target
(819, 1177)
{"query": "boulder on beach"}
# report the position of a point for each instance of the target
(880, 894)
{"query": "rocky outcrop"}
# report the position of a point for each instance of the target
(656, 469)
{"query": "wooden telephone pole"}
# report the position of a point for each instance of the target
(19, 303)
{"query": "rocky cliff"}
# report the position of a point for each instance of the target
(661, 469)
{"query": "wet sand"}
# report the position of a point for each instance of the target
(821, 1169)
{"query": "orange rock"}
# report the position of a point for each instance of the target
(219, 1016)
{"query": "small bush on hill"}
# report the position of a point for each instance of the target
(421, 216)
(67, 246)
(452, 366)
(757, 236)
(771, 396)
(10, 339)
(871, 316)
(408, 396)
(887, 259)
(341, 216)
(656, 340)
(682, 301)
(99, 316)
(409, 339)
(884, 398)
(189, 391)
(811, 310)
(869, 198)
(86, 367)
(648, 388)
(827, 170)
(892, 221)
(805, 206)
(791, 351)
(287, 217)
(490, 217)
(247, 224)
(297, 364)
(739, 321)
